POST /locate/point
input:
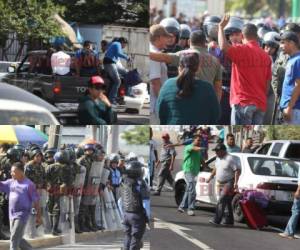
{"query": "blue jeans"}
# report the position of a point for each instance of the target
(189, 197)
(293, 221)
(112, 71)
(295, 118)
(248, 115)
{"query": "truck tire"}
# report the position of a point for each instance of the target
(179, 191)
(237, 211)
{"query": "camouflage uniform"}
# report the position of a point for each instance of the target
(85, 212)
(278, 73)
(36, 173)
(172, 69)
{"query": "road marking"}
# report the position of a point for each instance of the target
(178, 230)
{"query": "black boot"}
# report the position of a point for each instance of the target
(93, 219)
(55, 230)
(77, 227)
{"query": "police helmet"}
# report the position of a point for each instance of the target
(134, 169)
(235, 25)
(79, 152)
(89, 147)
(114, 158)
(20, 148)
(210, 26)
(50, 152)
(62, 156)
(171, 25)
(45, 146)
(262, 31)
(131, 157)
(185, 31)
(34, 152)
(33, 147)
(13, 154)
(272, 39)
(72, 154)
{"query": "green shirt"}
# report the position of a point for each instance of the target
(191, 160)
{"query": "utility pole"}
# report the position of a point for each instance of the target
(113, 139)
(54, 136)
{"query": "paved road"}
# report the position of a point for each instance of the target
(113, 241)
(173, 230)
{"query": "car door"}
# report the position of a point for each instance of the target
(19, 78)
(206, 191)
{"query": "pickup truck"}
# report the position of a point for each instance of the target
(282, 148)
(40, 81)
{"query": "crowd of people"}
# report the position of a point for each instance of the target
(224, 71)
(35, 179)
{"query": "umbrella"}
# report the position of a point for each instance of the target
(21, 134)
(88, 141)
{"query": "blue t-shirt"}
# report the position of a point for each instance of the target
(115, 51)
(291, 74)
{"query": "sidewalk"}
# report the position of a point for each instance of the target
(49, 241)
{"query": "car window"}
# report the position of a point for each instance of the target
(273, 167)
(36, 63)
(293, 151)
(276, 149)
(210, 165)
(27, 117)
(264, 149)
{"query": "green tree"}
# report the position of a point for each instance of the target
(139, 135)
(107, 11)
(30, 20)
(281, 132)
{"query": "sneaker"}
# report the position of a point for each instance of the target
(213, 222)
(190, 213)
(284, 235)
(180, 210)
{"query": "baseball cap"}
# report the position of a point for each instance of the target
(165, 136)
(290, 36)
(96, 82)
(219, 147)
(159, 30)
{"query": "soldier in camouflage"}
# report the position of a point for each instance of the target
(59, 182)
(86, 160)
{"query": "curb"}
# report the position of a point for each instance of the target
(51, 241)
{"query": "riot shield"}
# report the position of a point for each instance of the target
(78, 188)
(91, 192)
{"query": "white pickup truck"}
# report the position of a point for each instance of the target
(282, 148)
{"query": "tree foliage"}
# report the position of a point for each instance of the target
(135, 12)
(139, 135)
(281, 132)
(253, 7)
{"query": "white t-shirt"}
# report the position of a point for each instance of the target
(225, 168)
(157, 70)
(60, 63)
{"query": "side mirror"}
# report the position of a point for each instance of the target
(11, 69)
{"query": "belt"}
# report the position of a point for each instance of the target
(224, 182)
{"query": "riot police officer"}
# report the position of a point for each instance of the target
(58, 184)
(210, 27)
(84, 215)
(49, 157)
(115, 175)
(173, 27)
(184, 36)
(133, 191)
